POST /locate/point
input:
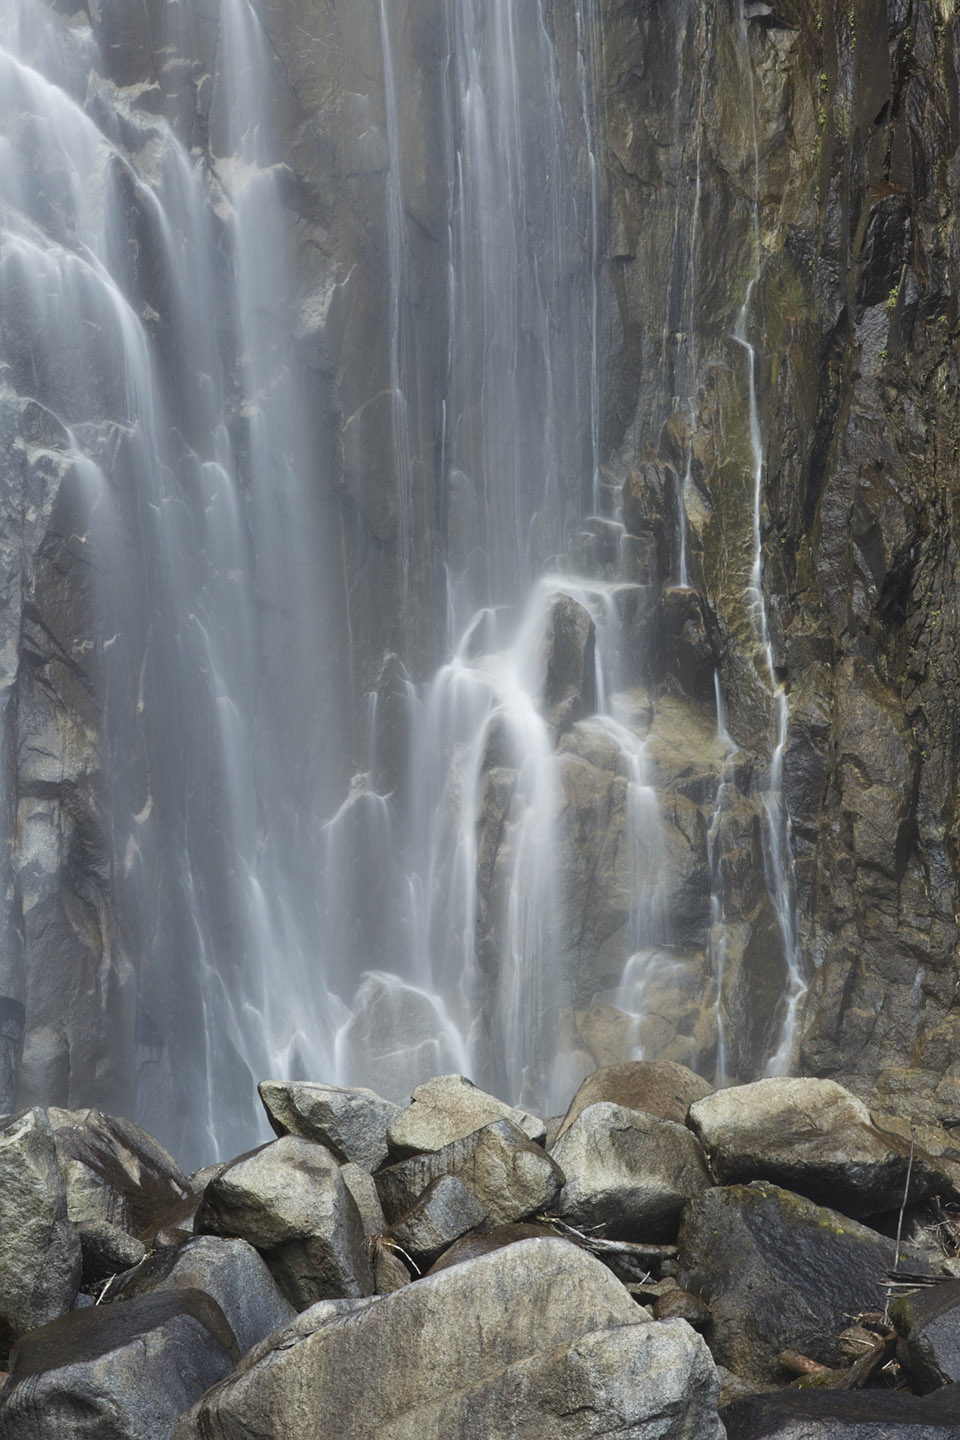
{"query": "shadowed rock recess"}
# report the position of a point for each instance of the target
(213, 863)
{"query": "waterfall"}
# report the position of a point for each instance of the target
(778, 850)
(182, 444)
(329, 681)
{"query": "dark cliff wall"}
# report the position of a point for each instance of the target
(838, 194)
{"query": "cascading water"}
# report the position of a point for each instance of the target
(231, 479)
(778, 851)
(183, 449)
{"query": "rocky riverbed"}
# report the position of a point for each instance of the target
(663, 1262)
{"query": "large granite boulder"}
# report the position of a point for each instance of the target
(113, 1170)
(628, 1173)
(117, 1372)
(537, 1340)
(230, 1271)
(445, 1211)
(660, 1087)
(779, 1273)
(814, 1137)
(289, 1200)
(352, 1124)
(447, 1108)
(508, 1174)
(39, 1247)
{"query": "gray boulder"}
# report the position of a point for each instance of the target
(289, 1200)
(508, 1174)
(485, 1242)
(814, 1137)
(491, 1348)
(628, 1173)
(447, 1108)
(361, 1185)
(928, 1322)
(116, 1372)
(39, 1248)
(113, 1170)
(445, 1211)
(659, 1087)
(352, 1124)
(829, 1415)
(779, 1273)
(107, 1251)
(229, 1271)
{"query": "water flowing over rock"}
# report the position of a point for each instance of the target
(477, 503)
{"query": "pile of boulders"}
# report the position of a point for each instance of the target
(664, 1262)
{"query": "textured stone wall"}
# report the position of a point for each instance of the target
(807, 149)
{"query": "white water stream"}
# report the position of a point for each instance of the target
(272, 919)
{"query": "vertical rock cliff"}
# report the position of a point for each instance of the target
(752, 511)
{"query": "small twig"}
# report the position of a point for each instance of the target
(863, 1369)
(799, 1364)
(906, 1192)
(631, 1248)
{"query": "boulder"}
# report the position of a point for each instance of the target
(448, 1108)
(117, 1372)
(113, 1170)
(289, 1200)
(929, 1325)
(508, 1174)
(779, 1273)
(490, 1348)
(829, 1415)
(485, 1242)
(660, 1087)
(361, 1185)
(39, 1248)
(107, 1251)
(814, 1137)
(445, 1211)
(229, 1271)
(352, 1124)
(628, 1174)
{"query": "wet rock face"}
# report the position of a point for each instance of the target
(805, 154)
(837, 197)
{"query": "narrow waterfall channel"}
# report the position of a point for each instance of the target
(362, 672)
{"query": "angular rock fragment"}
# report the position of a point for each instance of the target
(361, 1185)
(289, 1200)
(929, 1325)
(230, 1271)
(117, 1372)
(628, 1173)
(779, 1273)
(447, 1108)
(107, 1250)
(485, 1242)
(445, 1211)
(351, 1123)
(39, 1247)
(113, 1170)
(815, 1138)
(508, 1174)
(537, 1340)
(659, 1087)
